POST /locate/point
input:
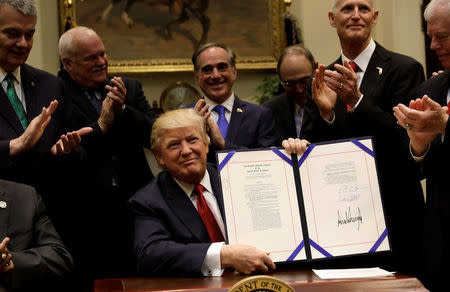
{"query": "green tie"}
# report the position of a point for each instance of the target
(15, 101)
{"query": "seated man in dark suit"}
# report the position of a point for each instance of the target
(295, 67)
(32, 256)
(179, 226)
(427, 123)
(240, 124)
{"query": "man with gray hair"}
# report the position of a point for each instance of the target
(234, 123)
(114, 166)
(354, 96)
(32, 106)
(426, 121)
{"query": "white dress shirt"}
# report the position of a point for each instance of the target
(17, 84)
(211, 264)
(362, 61)
(227, 104)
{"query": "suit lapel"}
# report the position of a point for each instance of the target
(4, 215)
(239, 110)
(215, 184)
(7, 111)
(444, 87)
(28, 83)
(378, 65)
(184, 209)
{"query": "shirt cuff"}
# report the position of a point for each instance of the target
(211, 266)
(331, 121)
(356, 105)
(418, 158)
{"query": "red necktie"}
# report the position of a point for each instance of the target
(448, 107)
(354, 67)
(214, 232)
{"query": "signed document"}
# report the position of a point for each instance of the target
(325, 203)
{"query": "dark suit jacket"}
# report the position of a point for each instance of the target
(39, 256)
(435, 167)
(170, 237)
(36, 166)
(119, 152)
(251, 126)
(283, 109)
(100, 207)
(398, 175)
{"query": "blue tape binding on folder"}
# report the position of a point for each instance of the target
(282, 156)
(363, 147)
(296, 252)
(313, 244)
(305, 155)
(379, 241)
(225, 160)
(320, 249)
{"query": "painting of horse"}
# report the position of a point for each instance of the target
(161, 35)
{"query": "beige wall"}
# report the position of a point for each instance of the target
(398, 29)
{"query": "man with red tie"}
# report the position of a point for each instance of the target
(355, 96)
(179, 216)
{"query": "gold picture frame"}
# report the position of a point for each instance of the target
(145, 44)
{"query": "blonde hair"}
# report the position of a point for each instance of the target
(179, 118)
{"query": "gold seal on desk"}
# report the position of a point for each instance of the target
(261, 284)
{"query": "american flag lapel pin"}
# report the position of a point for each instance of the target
(380, 70)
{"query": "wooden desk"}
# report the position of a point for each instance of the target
(300, 280)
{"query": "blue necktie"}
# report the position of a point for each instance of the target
(94, 100)
(15, 101)
(298, 121)
(222, 121)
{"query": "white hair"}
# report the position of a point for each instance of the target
(65, 46)
(434, 6)
(27, 7)
(334, 4)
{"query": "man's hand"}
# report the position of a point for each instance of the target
(214, 133)
(117, 93)
(245, 259)
(202, 108)
(6, 263)
(68, 142)
(211, 127)
(424, 120)
(323, 96)
(106, 118)
(113, 103)
(34, 131)
(437, 73)
(344, 82)
(295, 146)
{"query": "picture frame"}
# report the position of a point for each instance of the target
(148, 35)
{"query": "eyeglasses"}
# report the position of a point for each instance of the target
(293, 83)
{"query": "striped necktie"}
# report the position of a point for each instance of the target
(15, 101)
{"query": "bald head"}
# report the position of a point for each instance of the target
(69, 41)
